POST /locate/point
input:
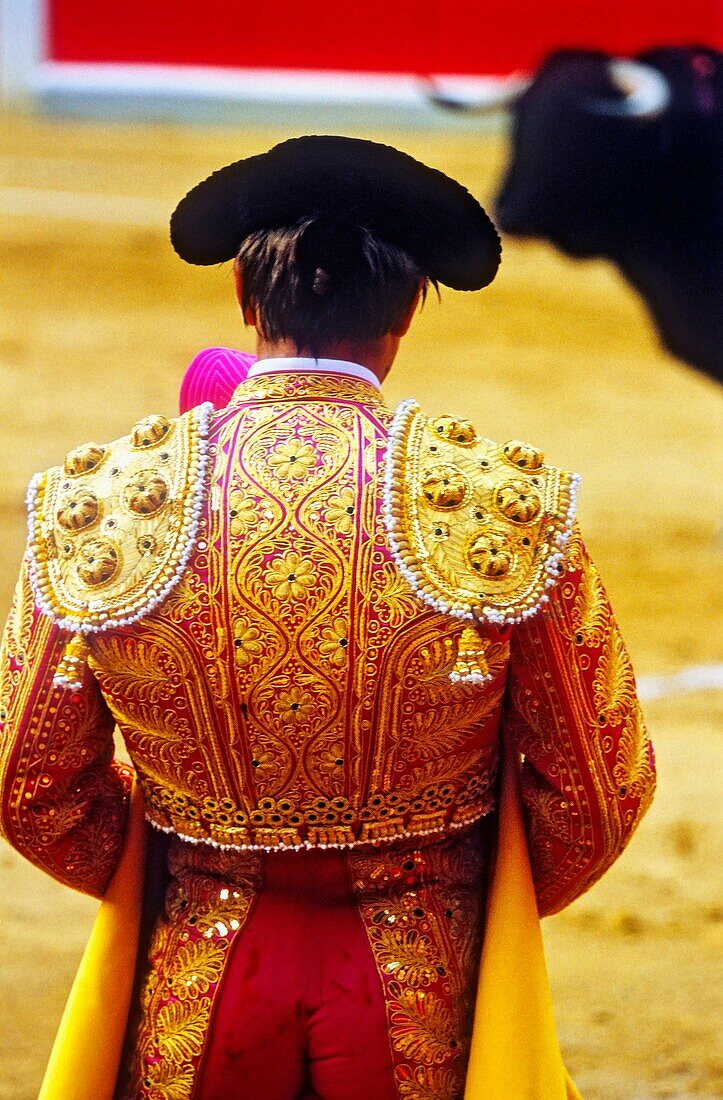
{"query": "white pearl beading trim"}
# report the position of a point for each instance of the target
(151, 598)
(465, 676)
(394, 507)
(409, 834)
(62, 681)
(72, 675)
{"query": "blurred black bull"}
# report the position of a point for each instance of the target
(624, 160)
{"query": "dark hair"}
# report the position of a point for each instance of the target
(325, 280)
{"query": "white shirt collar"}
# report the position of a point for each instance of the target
(314, 366)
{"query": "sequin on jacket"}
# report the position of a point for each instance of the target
(275, 605)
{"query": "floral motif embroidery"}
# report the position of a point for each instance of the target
(591, 611)
(341, 510)
(426, 944)
(428, 1083)
(242, 510)
(188, 601)
(63, 802)
(577, 721)
(422, 1026)
(203, 914)
(295, 705)
(290, 577)
(293, 459)
(518, 501)
(142, 671)
(429, 766)
(335, 642)
(614, 683)
(290, 719)
(331, 760)
(396, 600)
(247, 643)
(293, 722)
(633, 771)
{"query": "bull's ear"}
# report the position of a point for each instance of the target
(458, 94)
(646, 92)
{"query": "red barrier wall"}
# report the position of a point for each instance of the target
(452, 36)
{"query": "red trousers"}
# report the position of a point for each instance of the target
(313, 975)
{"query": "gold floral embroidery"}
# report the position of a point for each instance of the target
(331, 760)
(161, 736)
(243, 512)
(422, 1026)
(633, 769)
(188, 952)
(506, 538)
(591, 612)
(576, 555)
(614, 681)
(261, 758)
(278, 387)
(247, 643)
(291, 576)
(588, 773)
(181, 1030)
(20, 621)
(406, 955)
(341, 509)
(64, 804)
(288, 645)
(166, 1081)
(396, 600)
(143, 671)
(188, 600)
(113, 578)
(429, 1083)
(334, 642)
(293, 459)
(426, 944)
(548, 812)
(295, 705)
(195, 968)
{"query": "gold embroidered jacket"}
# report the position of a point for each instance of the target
(308, 618)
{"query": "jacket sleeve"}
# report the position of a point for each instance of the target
(588, 771)
(63, 798)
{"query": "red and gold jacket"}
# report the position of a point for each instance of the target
(310, 618)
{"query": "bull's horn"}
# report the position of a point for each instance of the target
(498, 96)
(647, 92)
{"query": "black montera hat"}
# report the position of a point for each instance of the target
(404, 202)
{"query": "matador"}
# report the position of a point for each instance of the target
(315, 620)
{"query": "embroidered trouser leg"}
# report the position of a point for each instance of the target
(337, 975)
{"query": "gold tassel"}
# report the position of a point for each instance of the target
(69, 673)
(471, 665)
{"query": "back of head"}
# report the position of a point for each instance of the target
(325, 281)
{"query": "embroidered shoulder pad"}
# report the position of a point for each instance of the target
(110, 532)
(474, 526)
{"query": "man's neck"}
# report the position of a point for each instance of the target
(376, 356)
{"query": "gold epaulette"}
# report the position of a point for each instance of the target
(111, 530)
(477, 529)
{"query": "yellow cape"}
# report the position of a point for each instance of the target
(86, 1054)
(514, 1055)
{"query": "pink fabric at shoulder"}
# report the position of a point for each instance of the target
(213, 375)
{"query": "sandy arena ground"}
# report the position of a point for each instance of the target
(97, 321)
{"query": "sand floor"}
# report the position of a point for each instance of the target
(98, 319)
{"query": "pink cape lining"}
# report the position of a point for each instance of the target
(213, 375)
